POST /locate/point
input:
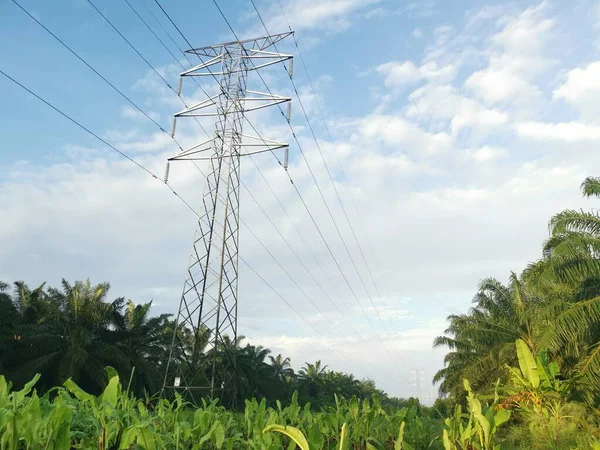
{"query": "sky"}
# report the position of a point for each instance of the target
(452, 132)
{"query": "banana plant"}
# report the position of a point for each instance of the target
(482, 422)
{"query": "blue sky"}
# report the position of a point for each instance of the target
(461, 129)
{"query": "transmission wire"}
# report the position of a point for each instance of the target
(148, 171)
(324, 201)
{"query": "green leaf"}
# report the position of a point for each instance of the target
(527, 363)
(344, 437)
(110, 372)
(544, 378)
(127, 438)
(501, 416)
(371, 446)
(147, 438)
(315, 437)
(78, 392)
(111, 392)
(291, 432)
(398, 444)
(19, 396)
(219, 435)
(475, 406)
(467, 386)
(446, 440)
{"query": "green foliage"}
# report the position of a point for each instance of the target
(70, 417)
(536, 342)
(74, 331)
(478, 428)
(553, 305)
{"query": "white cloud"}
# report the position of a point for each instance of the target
(400, 133)
(582, 90)
(132, 113)
(417, 33)
(495, 86)
(420, 10)
(331, 16)
(376, 13)
(514, 60)
(399, 74)
(445, 102)
(488, 154)
(567, 132)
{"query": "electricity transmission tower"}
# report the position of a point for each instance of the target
(202, 355)
(418, 379)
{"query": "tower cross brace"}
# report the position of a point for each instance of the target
(201, 360)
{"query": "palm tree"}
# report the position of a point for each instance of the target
(79, 341)
(310, 378)
(10, 331)
(481, 342)
(282, 367)
(572, 267)
(313, 371)
(554, 305)
(33, 305)
(145, 341)
(253, 373)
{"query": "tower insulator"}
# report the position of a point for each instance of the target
(167, 169)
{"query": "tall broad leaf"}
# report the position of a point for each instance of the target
(344, 437)
(293, 433)
(527, 363)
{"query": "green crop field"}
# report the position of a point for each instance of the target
(68, 417)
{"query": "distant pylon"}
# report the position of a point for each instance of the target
(418, 376)
(202, 359)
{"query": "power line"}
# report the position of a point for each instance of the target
(128, 42)
(91, 68)
(166, 47)
(173, 23)
(147, 62)
(261, 208)
(332, 182)
(149, 172)
(151, 30)
(296, 283)
(132, 46)
(296, 189)
(330, 179)
(343, 172)
(298, 258)
(296, 311)
(163, 28)
(87, 130)
(298, 233)
(322, 197)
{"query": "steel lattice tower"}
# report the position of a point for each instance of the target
(202, 357)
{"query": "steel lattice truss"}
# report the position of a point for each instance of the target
(202, 356)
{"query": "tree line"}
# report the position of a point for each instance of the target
(75, 331)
